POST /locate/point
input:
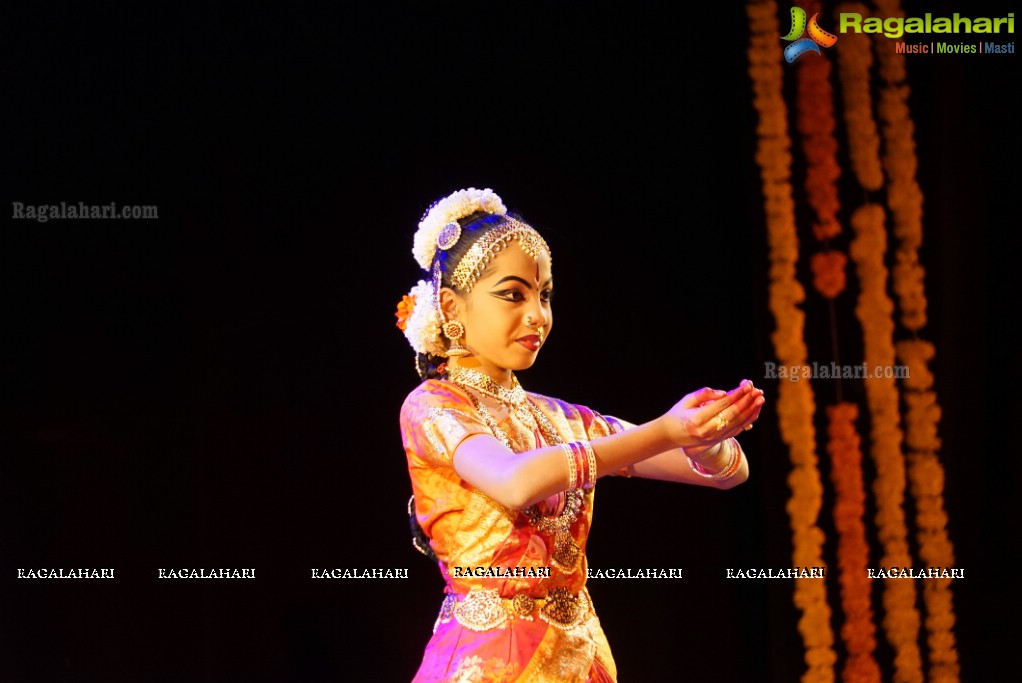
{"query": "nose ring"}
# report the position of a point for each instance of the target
(531, 322)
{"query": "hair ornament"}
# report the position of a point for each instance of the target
(435, 226)
(422, 324)
(449, 235)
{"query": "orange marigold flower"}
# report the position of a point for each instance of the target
(404, 311)
(829, 272)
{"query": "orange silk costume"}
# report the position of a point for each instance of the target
(512, 612)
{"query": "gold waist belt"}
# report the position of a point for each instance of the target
(482, 609)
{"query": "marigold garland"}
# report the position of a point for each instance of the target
(874, 309)
(925, 471)
(795, 404)
(904, 197)
(828, 269)
(858, 631)
(926, 478)
(854, 60)
(816, 125)
(815, 121)
(875, 312)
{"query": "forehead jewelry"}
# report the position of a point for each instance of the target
(489, 245)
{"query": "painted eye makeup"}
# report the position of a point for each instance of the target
(513, 295)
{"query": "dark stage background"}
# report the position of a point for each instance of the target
(220, 387)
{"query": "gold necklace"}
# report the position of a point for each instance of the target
(566, 552)
(515, 399)
(484, 384)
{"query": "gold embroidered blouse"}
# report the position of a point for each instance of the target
(490, 555)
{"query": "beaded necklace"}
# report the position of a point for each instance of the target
(566, 552)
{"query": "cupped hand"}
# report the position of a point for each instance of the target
(708, 416)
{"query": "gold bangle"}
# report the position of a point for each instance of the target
(569, 453)
(699, 467)
(729, 470)
(589, 482)
(734, 464)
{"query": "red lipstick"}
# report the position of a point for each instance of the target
(532, 342)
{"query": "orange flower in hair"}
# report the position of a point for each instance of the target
(404, 311)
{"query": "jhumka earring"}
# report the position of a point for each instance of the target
(454, 331)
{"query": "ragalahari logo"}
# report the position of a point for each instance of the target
(817, 36)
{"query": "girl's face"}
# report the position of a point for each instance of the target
(507, 315)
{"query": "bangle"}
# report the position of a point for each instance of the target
(581, 465)
(589, 481)
(698, 467)
(737, 465)
(569, 453)
(734, 463)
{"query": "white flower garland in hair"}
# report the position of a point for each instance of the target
(452, 207)
(422, 329)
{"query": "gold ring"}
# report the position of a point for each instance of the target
(748, 427)
(721, 422)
